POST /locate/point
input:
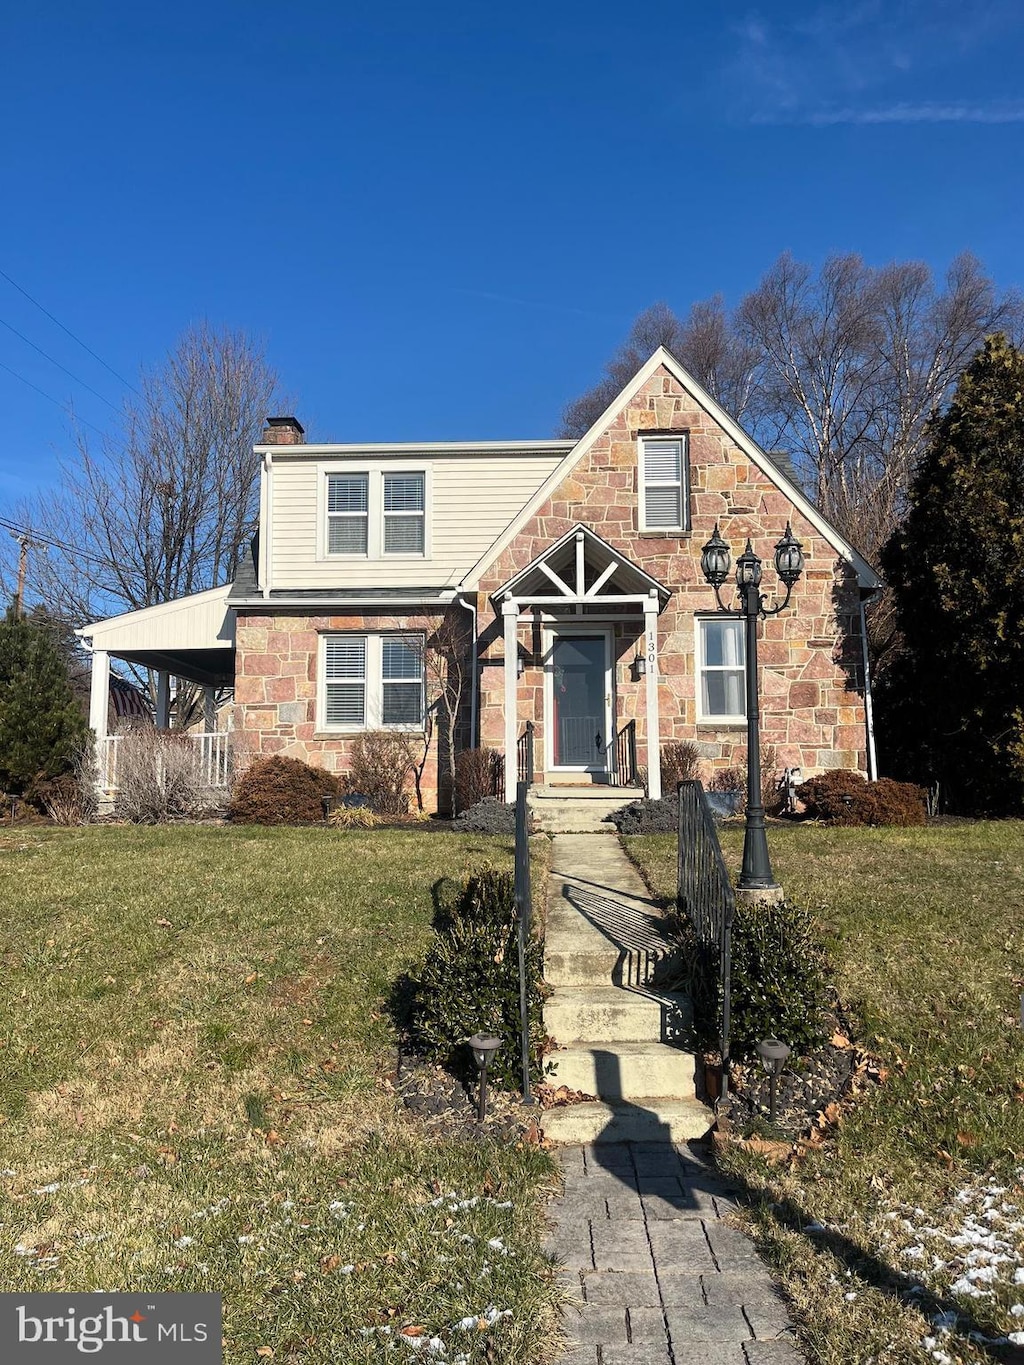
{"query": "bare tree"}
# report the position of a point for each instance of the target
(447, 672)
(163, 507)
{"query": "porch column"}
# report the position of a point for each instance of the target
(653, 727)
(209, 709)
(99, 703)
(163, 699)
(510, 621)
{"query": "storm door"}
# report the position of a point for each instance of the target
(580, 702)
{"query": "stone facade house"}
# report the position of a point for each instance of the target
(558, 581)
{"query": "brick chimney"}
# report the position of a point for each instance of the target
(283, 431)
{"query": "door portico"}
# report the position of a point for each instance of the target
(578, 590)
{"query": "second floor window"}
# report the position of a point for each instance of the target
(664, 496)
(374, 514)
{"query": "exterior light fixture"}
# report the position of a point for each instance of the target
(756, 873)
(484, 1046)
(715, 560)
(327, 805)
(639, 666)
(789, 557)
(773, 1053)
(520, 665)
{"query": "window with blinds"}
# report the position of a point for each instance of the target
(372, 682)
(404, 510)
(348, 514)
(722, 669)
(663, 492)
(345, 680)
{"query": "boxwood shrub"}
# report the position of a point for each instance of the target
(469, 983)
(281, 791)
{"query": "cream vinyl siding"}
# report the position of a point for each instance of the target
(470, 499)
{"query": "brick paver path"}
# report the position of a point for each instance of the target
(659, 1278)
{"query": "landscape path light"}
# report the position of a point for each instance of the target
(756, 873)
(484, 1046)
(773, 1053)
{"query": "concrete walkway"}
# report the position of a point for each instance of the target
(658, 1276)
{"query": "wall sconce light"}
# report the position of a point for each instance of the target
(520, 665)
(639, 667)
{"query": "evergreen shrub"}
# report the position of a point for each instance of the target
(281, 791)
(469, 983)
(845, 797)
(779, 985)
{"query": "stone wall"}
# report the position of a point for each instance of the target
(811, 662)
(276, 689)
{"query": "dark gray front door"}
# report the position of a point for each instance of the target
(578, 693)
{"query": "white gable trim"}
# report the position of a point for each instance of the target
(866, 575)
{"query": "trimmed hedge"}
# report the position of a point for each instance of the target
(469, 984)
(845, 797)
(281, 791)
(780, 974)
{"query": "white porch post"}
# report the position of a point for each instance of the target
(510, 622)
(99, 702)
(163, 699)
(653, 727)
(209, 709)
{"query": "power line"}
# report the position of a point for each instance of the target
(40, 539)
(64, 407)
(120, 378)
(70, 373)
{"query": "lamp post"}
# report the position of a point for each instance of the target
(756, 873)
(773, 1053)
(484, 1046)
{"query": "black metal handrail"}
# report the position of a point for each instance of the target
(705, 896)
(524, 755)
(524, 911)
(624, 750)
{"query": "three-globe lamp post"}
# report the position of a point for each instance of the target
(715, 560)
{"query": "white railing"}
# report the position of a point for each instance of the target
(212, 756)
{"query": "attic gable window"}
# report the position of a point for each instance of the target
(664, 495)
(372, 513)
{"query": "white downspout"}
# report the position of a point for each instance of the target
(474, 671)
(869, 716)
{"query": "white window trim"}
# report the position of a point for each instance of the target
(684, 482)
(373, 718)
(698, 628)
(375, 516)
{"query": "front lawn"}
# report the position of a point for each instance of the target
(193, 1093)
(918, 1197)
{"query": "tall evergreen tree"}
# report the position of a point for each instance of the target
(953, 708)
(41, 725)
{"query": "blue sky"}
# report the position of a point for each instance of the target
(442, 218)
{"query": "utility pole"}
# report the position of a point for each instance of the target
(25, 543)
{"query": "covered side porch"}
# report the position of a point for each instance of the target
(192, 639)
(591, 616)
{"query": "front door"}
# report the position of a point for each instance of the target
(579, 702)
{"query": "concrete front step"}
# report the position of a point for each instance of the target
(578, 810)
(624, 1071)
(651, 1120)
(621, 966)
(575, 1014)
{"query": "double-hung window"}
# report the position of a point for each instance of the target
(404, 512)
(664, 496)
(371, 682)
(721, 658)
(348, 514)
(376, 514)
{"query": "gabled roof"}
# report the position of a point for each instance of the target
(866, 575)
(577, 567)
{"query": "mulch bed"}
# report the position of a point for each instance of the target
(445, 1106)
